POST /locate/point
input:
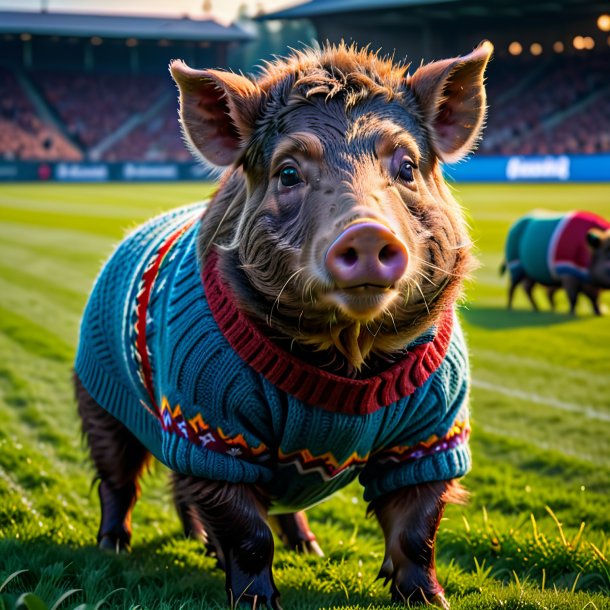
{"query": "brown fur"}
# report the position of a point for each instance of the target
(409, 519)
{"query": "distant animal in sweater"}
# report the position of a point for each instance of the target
(566, 250)
(298, 330)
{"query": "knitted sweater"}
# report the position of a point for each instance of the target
(546, 246)
(164, 349)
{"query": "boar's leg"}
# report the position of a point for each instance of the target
(572, 287)
(593, 294)
(233, 516)
(192, 521)
(550, 295)
(528, 286)
(516, 277)
(119, 460)
(293, 530)
(514, 282)
(409, 519)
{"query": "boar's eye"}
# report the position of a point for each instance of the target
(402, 167)
(405, 171)
(289, 176)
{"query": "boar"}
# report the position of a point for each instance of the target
(298, 330)
(559, 250)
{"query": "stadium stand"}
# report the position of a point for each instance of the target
(563, 108)
(158, 139)
(83, 87)
(95, 106)
(23, 133)
(554, 103)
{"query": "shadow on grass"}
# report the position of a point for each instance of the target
(499, 318)
(159, 575)
(153, 574)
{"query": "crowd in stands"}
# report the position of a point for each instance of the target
(156, 140)
(92, 106)
(23, 134)
(554, 105)
(551, 109)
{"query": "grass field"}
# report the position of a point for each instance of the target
(533, 536)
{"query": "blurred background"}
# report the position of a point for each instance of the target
(85, 93)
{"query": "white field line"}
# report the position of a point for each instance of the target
(542, 400)
(580, 375)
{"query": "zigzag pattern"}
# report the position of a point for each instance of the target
(198, 432)
(328, 467)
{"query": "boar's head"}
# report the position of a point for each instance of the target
(333, 222)
(599, 269)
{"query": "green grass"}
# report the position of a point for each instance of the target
(533, 536)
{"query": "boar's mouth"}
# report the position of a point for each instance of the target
(363, 302)
(367, 288)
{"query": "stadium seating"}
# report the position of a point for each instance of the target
(538, 105)
(23, 134)
(93, 106)
(156, 140)
(559, 105)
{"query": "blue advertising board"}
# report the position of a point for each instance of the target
(558, 168)
(550, 168)
(101, 172)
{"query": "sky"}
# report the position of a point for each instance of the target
(222, 10)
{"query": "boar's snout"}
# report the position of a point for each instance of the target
(366, 254)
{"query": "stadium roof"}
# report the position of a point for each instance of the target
(316, 8)
(118, 26)
(448, 9)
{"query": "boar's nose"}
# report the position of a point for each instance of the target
(366, 253)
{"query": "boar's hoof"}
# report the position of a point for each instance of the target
(251, 590)
(440, 601)
(419, 596)
(113, 544)
(310, 547)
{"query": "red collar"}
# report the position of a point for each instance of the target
(309, 383)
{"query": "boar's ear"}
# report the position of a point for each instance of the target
(452, 98)
(217, 111)
(594, 238)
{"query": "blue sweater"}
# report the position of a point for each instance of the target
(164, 349)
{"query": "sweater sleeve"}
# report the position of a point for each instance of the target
(427, 437)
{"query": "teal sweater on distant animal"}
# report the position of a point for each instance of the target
(545, 246)
(164, 349)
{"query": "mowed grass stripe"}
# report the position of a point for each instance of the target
(68, 272)
(547, 401)
(55, 291)
(538, 422)
(144, 196)
(33, 387)
(109, 225)
(82, 208)
(40, 310)
(563, 395)
(584, 388)
(525, 363)
(56, 240)
(35, 337)
(541, 443)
